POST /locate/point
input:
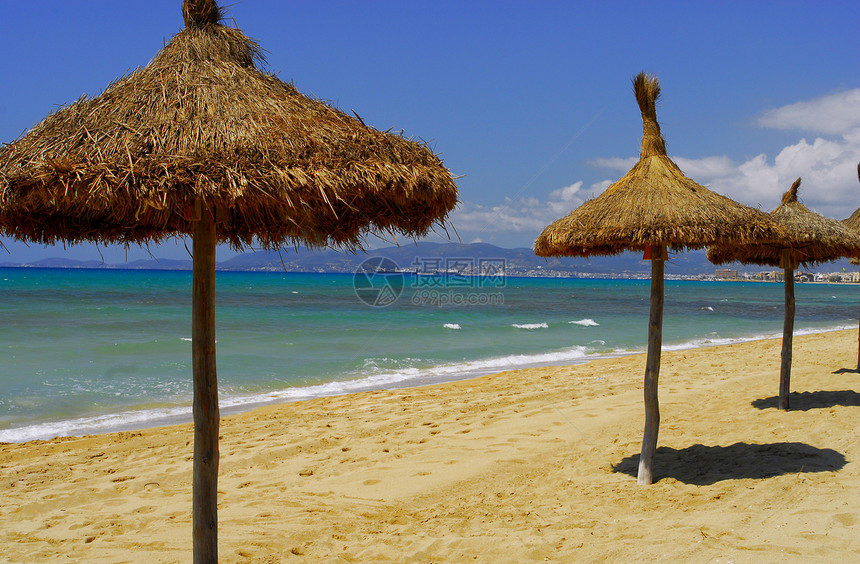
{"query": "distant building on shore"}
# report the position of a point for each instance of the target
(726, 274)
(771, 276)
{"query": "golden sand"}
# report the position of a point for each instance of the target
(528, 465)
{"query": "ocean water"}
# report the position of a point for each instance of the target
(88, 351)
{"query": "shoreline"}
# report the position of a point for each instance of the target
(549, 275)
(521, 466)
(142, 419)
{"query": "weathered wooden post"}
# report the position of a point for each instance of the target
(205, 404)
(788, 265)
(652, 367)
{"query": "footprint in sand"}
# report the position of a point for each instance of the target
(370, 482)
(846, 519)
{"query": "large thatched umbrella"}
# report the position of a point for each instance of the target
(201, 142)
(809, 238)
(654, 206)
(853, 222)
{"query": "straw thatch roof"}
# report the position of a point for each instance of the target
(653, 204)
(810, 238)
(853, 222)
(201, 122)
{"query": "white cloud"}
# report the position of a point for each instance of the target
(615, 163)
(517, 222)
(833, 114)
(567, 193)
(828, 169)
(599, 187)
(524, 215)
(709, 166)
(827, 165)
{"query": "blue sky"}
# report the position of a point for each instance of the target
(531, 102)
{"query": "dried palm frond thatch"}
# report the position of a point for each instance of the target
(201, 142)
(202, 122)
(853, 223)
(809, 238)
(654, 206)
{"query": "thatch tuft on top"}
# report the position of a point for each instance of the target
(197, 13)
(653, 204)
(809, 237)
(201, 124)
(790, 196)
(647, 91)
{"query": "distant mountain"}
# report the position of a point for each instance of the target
(59, 262)
(158, 264)
(424, 257)
(440, 256)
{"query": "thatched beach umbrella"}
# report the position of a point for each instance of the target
(809, 238)
(201, 142)
(654, 206)
(853, 223)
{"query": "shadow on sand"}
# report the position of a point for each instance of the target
(804, 401)
(702, 465)
(847, 371)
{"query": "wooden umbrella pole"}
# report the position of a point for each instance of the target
(787, 338)
(206, 412)
(652, 368)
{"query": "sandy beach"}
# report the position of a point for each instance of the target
(528, 465)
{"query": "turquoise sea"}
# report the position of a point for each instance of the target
(88, 351)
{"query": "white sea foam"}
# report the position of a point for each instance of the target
(452, 326)
(373, 377)
(585, 322)
(530, 325)
(718, 341)
(135, 419)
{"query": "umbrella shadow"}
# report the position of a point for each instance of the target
(702, 465)
(847, 371)
(804, 401)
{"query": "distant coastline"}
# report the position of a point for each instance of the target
(465, 259)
